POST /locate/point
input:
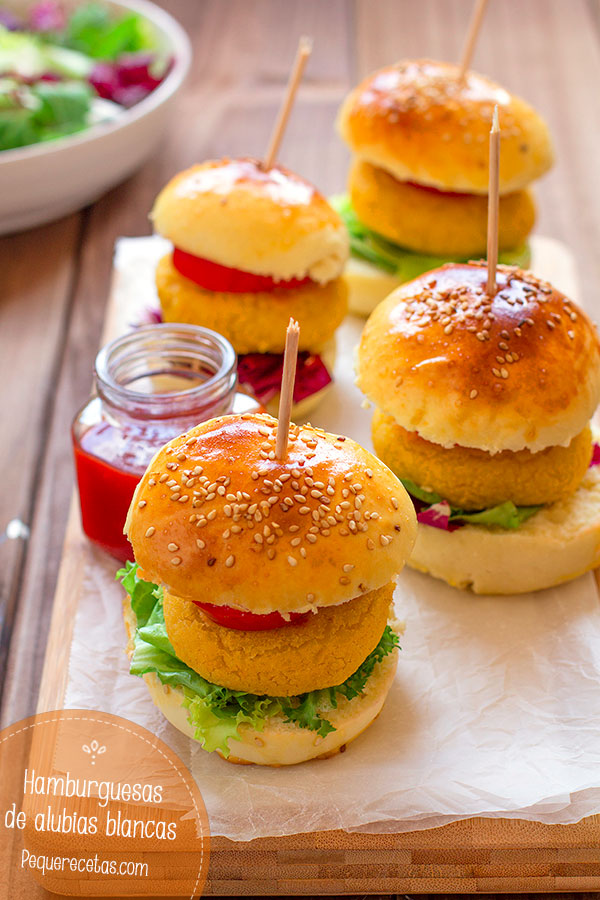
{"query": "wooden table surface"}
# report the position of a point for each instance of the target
(54, 280)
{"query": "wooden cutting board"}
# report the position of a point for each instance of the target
(469, 856)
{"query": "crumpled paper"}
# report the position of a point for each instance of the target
(495, 706)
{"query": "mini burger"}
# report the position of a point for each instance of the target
(260, 604)
(419, 179)
(252, 248)
(483, 412)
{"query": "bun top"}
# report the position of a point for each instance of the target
(233, 212)
(217, 518)
(419, 122)
(520, 370)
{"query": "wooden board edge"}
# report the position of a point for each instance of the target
(55, 671)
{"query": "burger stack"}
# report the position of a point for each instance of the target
(417, 189)
(483, 408)
(253, 247)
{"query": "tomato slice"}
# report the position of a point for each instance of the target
(213, 277)
(241, 620)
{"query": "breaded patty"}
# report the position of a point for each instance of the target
(321, 652)
(434, 222)
(473, 479)
(254, 322)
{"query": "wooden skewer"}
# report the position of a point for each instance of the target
(287, 388)
(302, 54)
(471, 38)
(493, 205)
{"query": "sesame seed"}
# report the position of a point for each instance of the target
(295, 542)
(172, 547)
(211, 515)
(211, 561)
(163, 478)
(348, 567)
(176, 560)
(141, 504)
(384, 540)
(504, 373)
(344, 580)
(292, 561)
(150, 531)
(473, 394)
(230, 561)
(200, 544)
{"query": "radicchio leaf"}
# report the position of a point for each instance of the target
(438, 516)
(262, 374)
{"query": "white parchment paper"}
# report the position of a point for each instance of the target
(494, 711)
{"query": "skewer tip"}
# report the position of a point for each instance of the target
(495, 123)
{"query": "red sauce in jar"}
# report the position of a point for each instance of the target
(117, 433)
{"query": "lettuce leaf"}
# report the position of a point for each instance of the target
(400, 261)
(93, 30)
(505, 515)
(214, 711)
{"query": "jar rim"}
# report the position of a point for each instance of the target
(195, 340)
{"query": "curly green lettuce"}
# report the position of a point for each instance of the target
(215, 712)
(506, 515)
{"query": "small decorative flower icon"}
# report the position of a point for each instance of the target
(94, 749)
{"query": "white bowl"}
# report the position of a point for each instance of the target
(43, 182)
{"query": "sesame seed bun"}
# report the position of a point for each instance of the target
(425, 220)
(521, 370)
(557, 544)
(417, 121)
(473, 479)
(281, 662)
(283, 743)
(233, 212)
(217, 517)
(256, 322)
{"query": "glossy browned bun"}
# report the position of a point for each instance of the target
(432, 222)
(521, 370)
(217, 517)
(281, 662)
(418, 121)
(268, 222)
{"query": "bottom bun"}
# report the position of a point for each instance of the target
(285, 743)
(557, 544)
(367, 285)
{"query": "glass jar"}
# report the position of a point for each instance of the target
(150, 386)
